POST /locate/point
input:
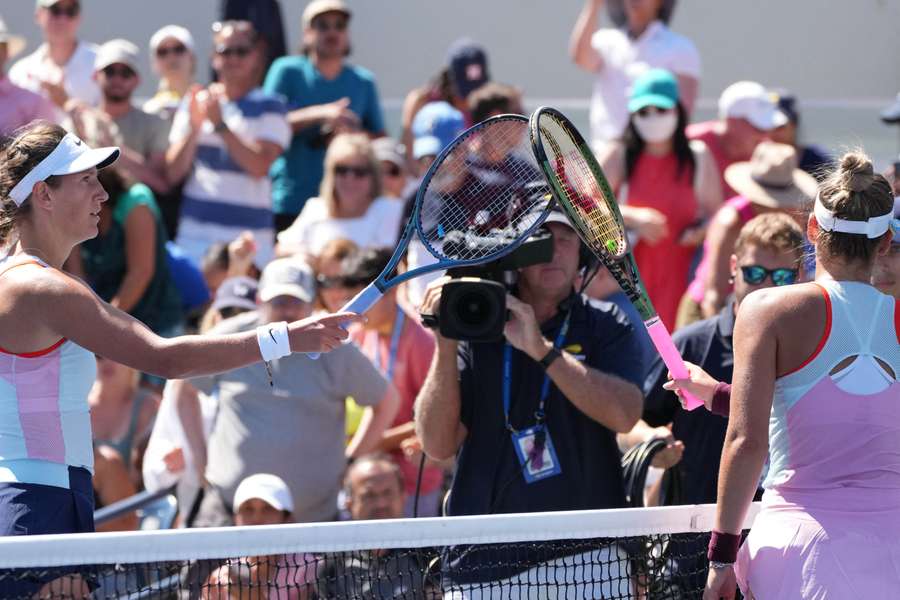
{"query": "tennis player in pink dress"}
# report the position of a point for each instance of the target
(816, 369)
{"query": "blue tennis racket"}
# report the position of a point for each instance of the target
(482, 197)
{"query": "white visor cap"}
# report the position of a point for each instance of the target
(71, 155)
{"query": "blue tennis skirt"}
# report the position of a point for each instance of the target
(36, 509)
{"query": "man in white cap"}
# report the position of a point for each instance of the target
(748, 113)
(145, 137)
(292, 427)
(63, 66)
(325, 95)
(18, 106)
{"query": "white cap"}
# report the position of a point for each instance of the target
(117, 51)
(269, 488)
(750, 100)
(287, 277)
(320, 7)
(71, 155)
(427, 145)
(175, 32)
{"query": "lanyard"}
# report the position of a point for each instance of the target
(545, 387)
(395, 345)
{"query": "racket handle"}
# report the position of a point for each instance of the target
(360, 303)
(660, 337)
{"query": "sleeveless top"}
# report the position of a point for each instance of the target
(834, 438)
(656, 183)
(45, 422)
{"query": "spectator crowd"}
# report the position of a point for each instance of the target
(275, 192)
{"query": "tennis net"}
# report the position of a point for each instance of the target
(614, 554)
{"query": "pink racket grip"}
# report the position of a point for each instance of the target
(660, 337)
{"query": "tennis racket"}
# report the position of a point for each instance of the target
(482, 197)
(587, 199)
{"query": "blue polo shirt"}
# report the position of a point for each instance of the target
(296, 174)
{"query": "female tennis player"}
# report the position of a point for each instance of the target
(816, 366)
(52, 325)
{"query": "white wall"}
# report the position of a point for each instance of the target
(822, 50)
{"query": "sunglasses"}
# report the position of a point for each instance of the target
(756, 274)
(72, 11)
(123, 72)
(238, 51)
(173, 50)
(652, 110)
(336, 25)
(358, 172)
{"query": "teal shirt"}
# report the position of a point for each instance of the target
(296, 174)
(105, 264)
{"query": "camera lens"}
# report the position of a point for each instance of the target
(475, 311)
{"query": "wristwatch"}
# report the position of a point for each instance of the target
(220, 126)
(548, 359)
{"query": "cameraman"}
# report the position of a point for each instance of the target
(532, 427)
(557, 409)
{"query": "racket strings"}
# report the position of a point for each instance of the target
(583, 192)
(484, 195)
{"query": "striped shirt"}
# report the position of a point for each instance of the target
(220, 199)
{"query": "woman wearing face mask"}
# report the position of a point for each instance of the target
(667, 186)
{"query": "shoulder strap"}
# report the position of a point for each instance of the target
(30, 261)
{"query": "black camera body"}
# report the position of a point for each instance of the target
(473, 302)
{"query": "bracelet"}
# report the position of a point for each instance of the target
(723, 547)
(548, 359)
(714, 564)
(273, 341)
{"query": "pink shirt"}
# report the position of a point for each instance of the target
(706, 132)
(19, 107)
(414, 351)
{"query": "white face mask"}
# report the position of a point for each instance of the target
(657, 127)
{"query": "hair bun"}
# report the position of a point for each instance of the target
(857, 171)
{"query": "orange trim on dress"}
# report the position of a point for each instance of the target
(38, 353)
(825, 334)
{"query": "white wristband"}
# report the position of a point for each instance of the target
(273, 340)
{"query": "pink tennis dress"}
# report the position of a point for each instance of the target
(829, 527)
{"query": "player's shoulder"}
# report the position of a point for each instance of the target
(779, 306)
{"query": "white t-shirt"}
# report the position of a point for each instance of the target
(78, 74)
(313, 228)
(624, 60)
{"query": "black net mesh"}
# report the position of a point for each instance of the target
(667, 566)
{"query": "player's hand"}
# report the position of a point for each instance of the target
(700, 384)
(720, 583)
(650, 224)
(522, 330)
(321, 333)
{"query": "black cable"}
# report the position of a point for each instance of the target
(418, 485)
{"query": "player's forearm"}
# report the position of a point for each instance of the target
(580, 50)
(607, 399)
(742, 463)
(437, 414)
